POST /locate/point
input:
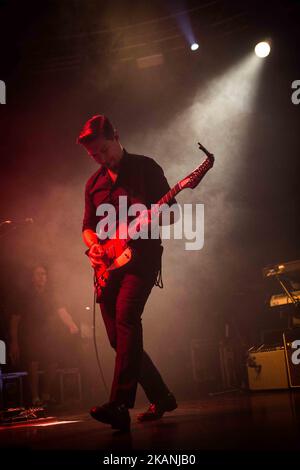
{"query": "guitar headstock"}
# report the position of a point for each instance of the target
(194, 178)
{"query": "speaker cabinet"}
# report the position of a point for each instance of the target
(267, 368)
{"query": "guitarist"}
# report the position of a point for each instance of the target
(141, 180)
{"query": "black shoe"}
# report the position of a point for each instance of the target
(156, 410)
(111, 413)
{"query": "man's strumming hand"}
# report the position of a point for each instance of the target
(96, 254)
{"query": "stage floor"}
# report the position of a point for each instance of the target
(265, 422)
(262, 420)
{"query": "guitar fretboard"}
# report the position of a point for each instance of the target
(170, 195)
(191, 181)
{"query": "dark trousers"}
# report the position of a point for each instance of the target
(122, 306)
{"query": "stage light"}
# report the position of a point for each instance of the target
(262, 49)
(194, 46)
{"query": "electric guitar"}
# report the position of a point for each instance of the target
(117, 250)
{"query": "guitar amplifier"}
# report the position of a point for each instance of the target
(292, 367)
(267, 368)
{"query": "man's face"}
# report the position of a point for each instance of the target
(105, 152)
(39, 277)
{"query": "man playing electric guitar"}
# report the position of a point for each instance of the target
(127, 289)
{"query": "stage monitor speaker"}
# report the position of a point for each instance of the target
(292, 367)
(267, 368)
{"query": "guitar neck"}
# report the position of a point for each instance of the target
(198, 174)
(170, 195)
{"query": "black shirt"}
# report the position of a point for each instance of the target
(140, 178)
